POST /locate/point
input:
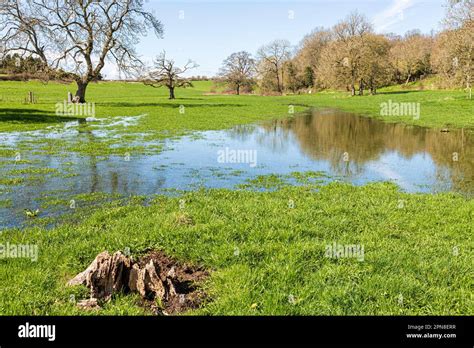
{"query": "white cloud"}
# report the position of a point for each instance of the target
(110, 71)
(392, 15)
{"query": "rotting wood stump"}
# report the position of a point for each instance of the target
(154, 276)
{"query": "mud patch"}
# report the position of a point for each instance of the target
(185, 280)
(166, 286)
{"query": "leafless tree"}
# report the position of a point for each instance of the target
(350, 38)
(375, 69)
(354, 25)
(166, 74)
(411, 56)
(272, 57)
(453, 52)
(78, 36)
(309, 53)
(238, 70)
(458, 13)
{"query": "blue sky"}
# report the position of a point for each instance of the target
(207, 31)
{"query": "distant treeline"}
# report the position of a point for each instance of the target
(351, 56)
(200, 78)
(15, 67)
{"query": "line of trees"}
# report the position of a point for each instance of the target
(353, 57)
(74, 39)
(23, 68)
(16, 64)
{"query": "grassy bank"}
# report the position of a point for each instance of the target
(268, 256)
(439, 108)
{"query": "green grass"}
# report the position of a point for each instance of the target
(194, 110)
(439, 108)
(409, 251)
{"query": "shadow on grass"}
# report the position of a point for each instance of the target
(33, 116)
(398, 92)
(172, 105)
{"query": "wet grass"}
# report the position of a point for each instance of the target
(5, 203)
(266, 256)
(11, 181)
(194, 110)
(32, 170)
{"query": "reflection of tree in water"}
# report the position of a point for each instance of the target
(276, 137)
(119, 178)
(328, 136)
(241, 132)
(86, 135)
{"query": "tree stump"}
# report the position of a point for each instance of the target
(105, 275)
(154, 277)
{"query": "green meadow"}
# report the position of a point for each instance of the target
(267, 257)
(266, 250)
(204, 111)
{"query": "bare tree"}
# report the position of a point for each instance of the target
(272, 57)
(375, 69)
(458, 13)
(410, 56)
(77, 36)
(453, 53)
(238, 70)
(354, 25)
(309, 54)
(342, 59)
(166, 74)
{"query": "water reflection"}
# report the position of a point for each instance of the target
(329, 135)
(356, 149)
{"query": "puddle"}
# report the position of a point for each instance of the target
(71, 130)
(351, 148)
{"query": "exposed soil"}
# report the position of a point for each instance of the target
(185, 279)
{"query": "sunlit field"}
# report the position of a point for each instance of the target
(265, 243)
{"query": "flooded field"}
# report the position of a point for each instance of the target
(340, 146)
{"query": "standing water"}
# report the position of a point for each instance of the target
(346, 147)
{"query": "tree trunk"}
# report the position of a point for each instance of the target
(408, 79)
(238, 89)
(171, 92)
(361, 88)
(81, 91)
(353, 90)
(282, 81)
